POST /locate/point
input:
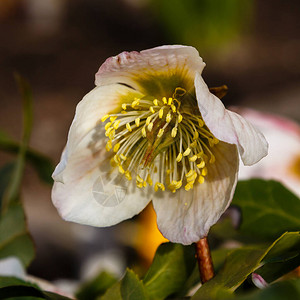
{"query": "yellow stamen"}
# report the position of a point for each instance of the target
(168, 118)
(160, 133)
(152, 109)
(179, 157)
(155, 102)
(117, 147)
(128, 127)
(137, 122)
(193, 158)
(187, 152)
(104, 118)
(174, 132)
(161, 113)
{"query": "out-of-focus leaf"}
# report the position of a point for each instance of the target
(241, 262)
(287, 290)
(5, 176)
(42, 164)
(171, 267)
(11, 194)
(129, 288)
(14, 237)
(14, 288)
(268, 208)
(96, 287)
(208, 25)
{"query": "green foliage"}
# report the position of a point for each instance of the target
(14, 288)
(289, 289)
(130, 288)
(207, 25)
(171, 267)
(96, 287)
(14, 237)
(268, 209)
(241, 262)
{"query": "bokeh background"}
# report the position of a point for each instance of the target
(58, 45)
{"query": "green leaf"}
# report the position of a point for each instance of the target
(14, 237)
(11, 288)
(113, 293)
(96, 287)
(132, 288)
(129, 288)
(268, 208)
(240, 263)
(11, 194)
(42, 164)
(278, 291)
(171, 267)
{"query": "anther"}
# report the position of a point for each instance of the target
(187, 152)
(179, 157)
(152, 109)
(128, 127)
(160, 133)
(161, 113)
(124, 106)
(168, 118)
(174, 132)
(137, 122)
(104, 118)
(150, 126)
(155, 102)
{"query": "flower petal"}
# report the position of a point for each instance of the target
(230, 127)
(153, 71)
(97, 103)
(283, 160)
(186, 216)
(92, 192)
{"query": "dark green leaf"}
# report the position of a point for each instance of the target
(113, 293)
(12, 192)
(96, 287)
(132, 288)
(287, 290)
(129, 288)
(12, 288)
(241, 262)
(171, 267)
(268, 208)
(14, 237)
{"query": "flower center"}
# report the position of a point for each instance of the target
(161, 140)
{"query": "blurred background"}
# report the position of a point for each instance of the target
(58, 45)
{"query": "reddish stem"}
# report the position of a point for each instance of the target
(205, 263)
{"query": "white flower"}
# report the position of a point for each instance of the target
(283, 161)
(151, 130)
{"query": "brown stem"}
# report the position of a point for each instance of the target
(205, 264)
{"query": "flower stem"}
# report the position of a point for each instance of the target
(205, 263)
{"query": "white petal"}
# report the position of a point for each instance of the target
(91, 193)
(282, 162)
(97, 103)
(147, 69)
(185, 217)
(230, 127)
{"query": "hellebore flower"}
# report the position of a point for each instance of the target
(284, 137)
(151, 130)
